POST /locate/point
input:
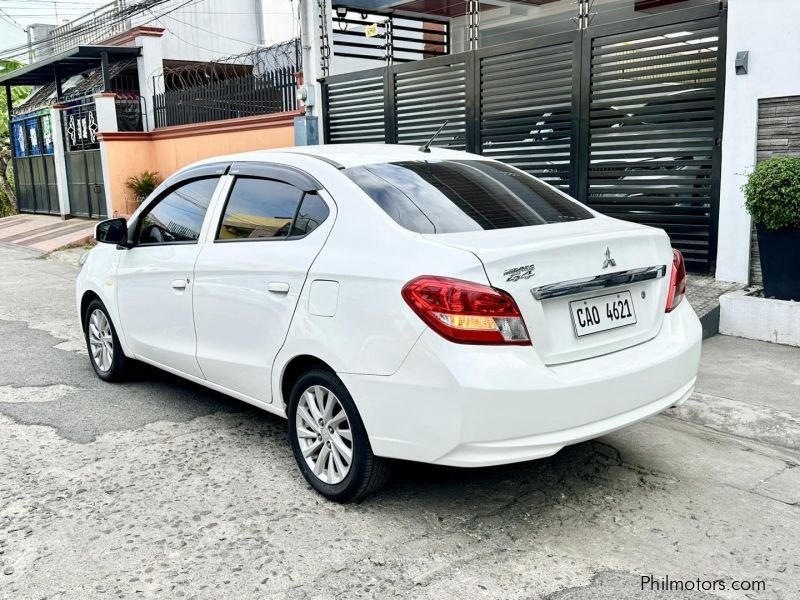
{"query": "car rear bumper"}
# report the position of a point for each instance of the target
(473, 406)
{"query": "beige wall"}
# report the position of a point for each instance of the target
(168, 149)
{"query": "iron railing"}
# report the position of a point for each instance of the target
(227, 99)
(103, 23)
(129, 113)
(258, 82)
(80, 127)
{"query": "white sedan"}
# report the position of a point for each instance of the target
(394, 303)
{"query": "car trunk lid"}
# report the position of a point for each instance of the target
(545, 268)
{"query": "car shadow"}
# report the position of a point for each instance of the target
(589, 474)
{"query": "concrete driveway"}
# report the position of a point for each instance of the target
(158, 488)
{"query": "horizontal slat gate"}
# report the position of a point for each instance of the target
(425, 98)
(626, 119)
(526, 110)
(355, 111)
(652, 130)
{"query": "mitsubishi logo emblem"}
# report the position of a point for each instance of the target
(609, 262)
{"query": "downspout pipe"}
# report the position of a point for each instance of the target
(259, 10)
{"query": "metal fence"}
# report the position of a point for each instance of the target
(388, 38)
(627, 117)
(130, 115)
(255, 83)
(227, 99)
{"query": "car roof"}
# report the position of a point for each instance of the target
(350, 155)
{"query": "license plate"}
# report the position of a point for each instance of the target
(602, 313)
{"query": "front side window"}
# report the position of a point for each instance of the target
(259, 209)
(453, 196)
(178, 216)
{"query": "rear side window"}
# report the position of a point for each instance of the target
(453, 196)
(178, 216)
(313, 211)
(258, 209)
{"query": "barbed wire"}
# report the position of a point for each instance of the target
(257, 62)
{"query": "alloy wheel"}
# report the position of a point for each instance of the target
(101, 340)
(324, 434)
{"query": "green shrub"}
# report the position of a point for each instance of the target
(6, 209)
(773, 192)
(6, 204)
(142, 184)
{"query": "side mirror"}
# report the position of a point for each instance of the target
(112, 231)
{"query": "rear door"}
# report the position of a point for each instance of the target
(154, 277)
(248, 278)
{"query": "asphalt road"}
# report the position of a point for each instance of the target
(158, 488)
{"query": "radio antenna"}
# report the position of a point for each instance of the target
(426, 147)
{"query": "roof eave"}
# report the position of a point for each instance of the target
(65, 64)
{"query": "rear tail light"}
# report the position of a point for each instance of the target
(466, 312)
(677, 281)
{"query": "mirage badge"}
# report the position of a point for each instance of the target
(517, 273)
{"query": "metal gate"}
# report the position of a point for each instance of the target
(626, 117)
(34, 166)
(84, 165)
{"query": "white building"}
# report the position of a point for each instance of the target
(200, 30)
(769, 31)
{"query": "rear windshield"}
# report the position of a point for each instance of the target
(453, 196)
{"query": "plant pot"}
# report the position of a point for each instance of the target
(780, 262)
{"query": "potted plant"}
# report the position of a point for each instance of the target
(142, 185)
(773, 200)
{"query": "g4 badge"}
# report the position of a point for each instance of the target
(517, 273)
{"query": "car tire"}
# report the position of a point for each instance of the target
(105, 352)
(365, 473)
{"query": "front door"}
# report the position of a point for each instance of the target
(248, 280)
(155, 278)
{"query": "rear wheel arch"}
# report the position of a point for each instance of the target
(294, 369)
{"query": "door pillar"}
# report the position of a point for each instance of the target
(150, 65)
(106, 108)
(60, 159)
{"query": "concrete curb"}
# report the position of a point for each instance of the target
(25, 249)
(710, 323)
(765, 319)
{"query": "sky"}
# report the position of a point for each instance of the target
(16, 15)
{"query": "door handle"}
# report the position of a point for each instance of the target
(278, 287)
(180, 284)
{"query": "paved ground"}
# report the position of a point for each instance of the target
(704, 291)
(161, 489)
(44, 233)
